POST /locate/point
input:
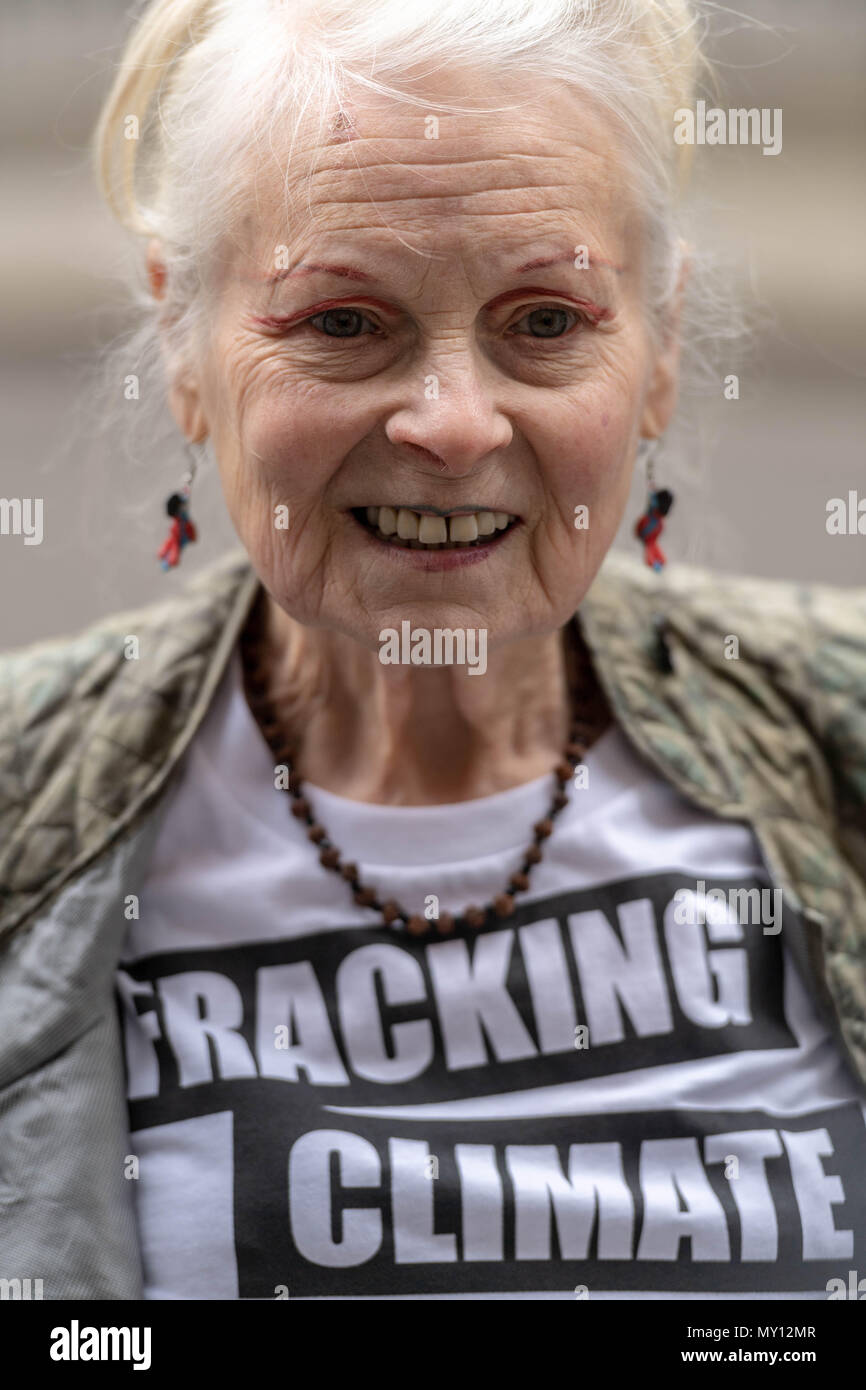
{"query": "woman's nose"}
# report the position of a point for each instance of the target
(453, 420)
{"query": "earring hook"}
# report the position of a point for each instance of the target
(195, 460)
(647, 450)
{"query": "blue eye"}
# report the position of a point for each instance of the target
(548, 322)
(341, 323)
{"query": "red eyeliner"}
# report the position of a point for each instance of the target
(593, 311)
(287, 320)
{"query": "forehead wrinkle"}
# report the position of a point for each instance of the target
(372, 171)
(527, 235)
(384, 190)
(399, 189)
(529, 169)
(514, 232)
(539, 132)
(542, 124)
(438, 157)
(539, 139)
(380, 194)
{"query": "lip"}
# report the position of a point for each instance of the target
(451, 511)
(434, 561)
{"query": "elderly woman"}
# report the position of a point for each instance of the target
(423, 901)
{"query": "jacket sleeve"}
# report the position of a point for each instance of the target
(831, 689)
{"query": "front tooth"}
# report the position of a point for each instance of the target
(387, 521)
(486, 523)
(432, 530)
(463, 528)
(372, 515)
(501, 519)
(407, 524)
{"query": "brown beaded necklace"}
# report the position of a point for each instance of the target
(590, 716)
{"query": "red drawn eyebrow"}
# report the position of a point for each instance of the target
(544, 262)
(348, 272)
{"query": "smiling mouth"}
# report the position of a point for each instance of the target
(422, 530)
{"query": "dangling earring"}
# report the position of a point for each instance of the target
(182, 529)
(649, 527)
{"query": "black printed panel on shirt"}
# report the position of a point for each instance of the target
(585, 984)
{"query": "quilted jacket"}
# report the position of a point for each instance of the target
(749, 697)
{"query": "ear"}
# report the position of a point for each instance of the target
(186, 407)
(661, 398)
(183, 395)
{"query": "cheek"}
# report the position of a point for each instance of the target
(279, 437)
(593, 431)
(613, 403)
(590, 462)
(587, 455)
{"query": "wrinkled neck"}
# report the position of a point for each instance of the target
(407, 734)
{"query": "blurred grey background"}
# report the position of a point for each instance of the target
(790, 228)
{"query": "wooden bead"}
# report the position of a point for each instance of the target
(584, 726)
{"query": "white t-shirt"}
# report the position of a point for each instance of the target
(622, 1091)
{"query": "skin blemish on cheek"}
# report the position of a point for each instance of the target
(605, 420)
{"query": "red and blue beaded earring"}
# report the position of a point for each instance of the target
(649, 527)
(182, 529)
